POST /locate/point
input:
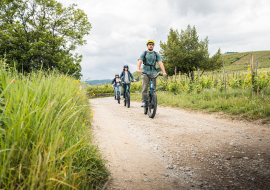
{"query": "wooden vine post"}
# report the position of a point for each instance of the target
(252, 76)
(256, 67)
(224, 75)
(198, 75)
(179, 80)
(216, 79)
(175, 78)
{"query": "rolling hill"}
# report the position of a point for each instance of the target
(241, 61)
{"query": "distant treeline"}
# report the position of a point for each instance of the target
(230, 52)
(98, 82)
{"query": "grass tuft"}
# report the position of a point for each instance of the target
(45, 136)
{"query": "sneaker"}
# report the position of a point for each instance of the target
(143, 104)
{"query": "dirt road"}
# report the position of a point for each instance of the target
(179, 149)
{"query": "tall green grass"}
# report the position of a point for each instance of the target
(237, 102)
(45, 136)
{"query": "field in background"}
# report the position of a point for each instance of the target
(233, 62)
(237, 62)
(45, 133)
(230, 93)
(184, 83)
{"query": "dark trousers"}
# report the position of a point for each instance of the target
(125, 89)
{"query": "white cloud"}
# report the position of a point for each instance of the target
(121, 28)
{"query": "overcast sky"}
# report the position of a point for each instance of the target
(120, 28)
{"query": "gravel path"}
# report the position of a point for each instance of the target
(179, 149)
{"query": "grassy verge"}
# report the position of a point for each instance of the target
(45, 136)
(237, 102)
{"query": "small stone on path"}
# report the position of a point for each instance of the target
(145, 179)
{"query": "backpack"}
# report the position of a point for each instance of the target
(144, 60)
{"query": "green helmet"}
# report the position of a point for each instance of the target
(150, 41)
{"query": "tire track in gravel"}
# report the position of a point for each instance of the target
(179, 149)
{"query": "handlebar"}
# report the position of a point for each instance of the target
(159, 74)
(123, 82)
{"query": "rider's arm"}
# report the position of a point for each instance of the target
(113, 80)
(161, 64)
(139, 66)
(121, 75)
(162, 67)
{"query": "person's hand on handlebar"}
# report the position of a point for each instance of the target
(140, 71)
(164, 74)
(134, 80)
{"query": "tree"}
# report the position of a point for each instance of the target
(42, 34)
(186, 52)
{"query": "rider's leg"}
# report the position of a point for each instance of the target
(127, 86)
(119, 88)
(115, 90)
(145, 81)
(124, 90)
